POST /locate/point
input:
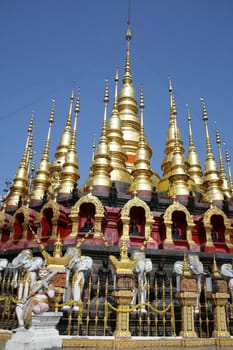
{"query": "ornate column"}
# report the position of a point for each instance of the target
(187, 297)
(219, 298)
(123, 292)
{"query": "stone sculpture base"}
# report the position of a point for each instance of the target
(41, 335)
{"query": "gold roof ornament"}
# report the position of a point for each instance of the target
(57, 261)
(215, 270)
(185, 267)
(124, 265)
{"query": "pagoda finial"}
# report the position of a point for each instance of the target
(172, 101)
(205, 119)
(93, 148)
(115, 107)
(127, 75)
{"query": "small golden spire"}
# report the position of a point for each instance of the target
(118, 156)
(127, 76)
(62, 149)
(178, 177)
(222, 173)
(194, 168)
(101, 166)
(41, 181)
(173, 140)
(185, 267)
(211, 181)
(142, 168)
(69, 172)
(19, 187)
(227, 155)
(215, 270)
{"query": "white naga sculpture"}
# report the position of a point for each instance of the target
(142, 268)
(25, 268)
(78, 265)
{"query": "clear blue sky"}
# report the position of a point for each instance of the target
(49, 47)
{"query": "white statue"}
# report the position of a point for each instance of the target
(78, 265)
(41, 291)
(27, 265)
(142, 268)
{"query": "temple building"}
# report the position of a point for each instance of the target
(122, 211)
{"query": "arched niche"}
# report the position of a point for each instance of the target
(89, 204)
(48, 219)
(19, 226)
(137, 206)
(5, 226)
(179, 225)
(217, 223)
(178, 214)
(22, 218)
